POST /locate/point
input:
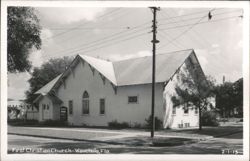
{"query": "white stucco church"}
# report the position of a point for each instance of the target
(96, 91)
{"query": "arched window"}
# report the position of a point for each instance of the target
(85, 103)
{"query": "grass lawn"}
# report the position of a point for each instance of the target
(220, 131)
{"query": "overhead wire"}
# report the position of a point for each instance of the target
(197, 23)
(110, 38)
(191, 37)
(185, 31)
(78, 36)
(70, 30)
(211, 21)
(104, 40)
(169, 35)
(107, 38)
(194, 18)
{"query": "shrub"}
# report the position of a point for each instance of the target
(21, 122)
(116, 125)
(209, 118)
(158, 123)
(137, 125)
(53, 123)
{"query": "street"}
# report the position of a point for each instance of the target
(116, 142)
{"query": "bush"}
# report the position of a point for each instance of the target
(21, 122)
(158, 123)
(116, 125)
(137, 125)
(54, 123)
(209, 118)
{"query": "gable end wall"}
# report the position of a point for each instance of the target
(116, 105)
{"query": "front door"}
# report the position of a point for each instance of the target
(63, 113)
(45, 112)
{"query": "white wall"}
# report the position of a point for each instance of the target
(170, 120)
(32, 115)
(116, 106)
(48, 114)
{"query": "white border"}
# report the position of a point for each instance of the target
(179, 4)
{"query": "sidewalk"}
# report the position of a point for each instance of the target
(96, 135)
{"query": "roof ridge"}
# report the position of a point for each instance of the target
(95, 57)
(56, 78)
(111, 78)
(151, 55)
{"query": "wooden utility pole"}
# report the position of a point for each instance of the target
(154, 41)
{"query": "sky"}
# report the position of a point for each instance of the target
(123, 33)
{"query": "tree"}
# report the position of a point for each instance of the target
(23, 34)
(230, 97)
(238, 96)
(195, 90)
(48, 71)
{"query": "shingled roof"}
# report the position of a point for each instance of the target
(132, 71)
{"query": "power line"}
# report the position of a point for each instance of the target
(108, 45)
(61, 33)
(192, 25)
(167, 16)
(169, 40)
(91, 28)
(116, 16)
(107, 38)
(185, 31)
(194, 18)
(117, 34)
(194, 13)
(165, 29)
(211, 21)
(114, 35)
(190, 37)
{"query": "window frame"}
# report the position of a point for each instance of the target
(85, 101)
(71, 107)
(100, 106)
(196, 110)
(44, 106)
(174, 109)
(137, 99)
(186, 108)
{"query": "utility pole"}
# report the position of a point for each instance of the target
(154, 41)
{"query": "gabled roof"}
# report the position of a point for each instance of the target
(139, 70)
(53, 98)
(45, 89)
(128, 72)
(104, 67)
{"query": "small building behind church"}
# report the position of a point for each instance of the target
(94, 92)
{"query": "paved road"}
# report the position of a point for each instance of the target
(212, 146)
(93, 134)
